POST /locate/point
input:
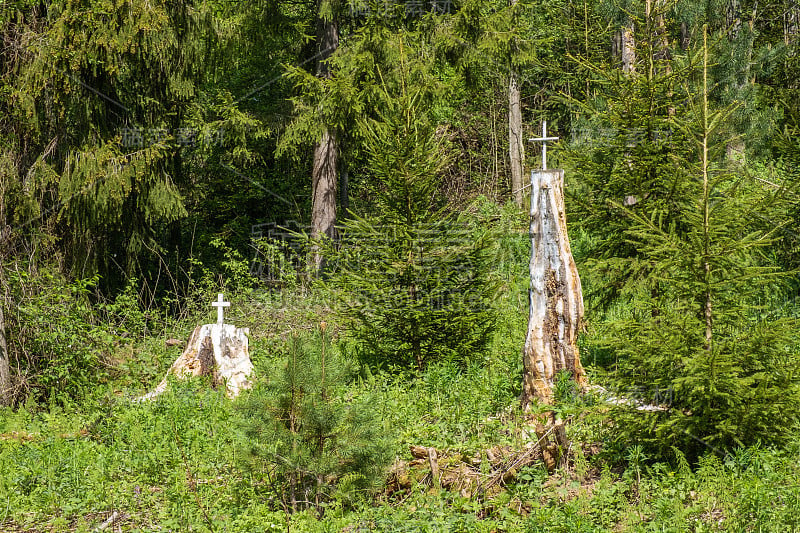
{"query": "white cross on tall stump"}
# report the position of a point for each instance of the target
(220, 304)
(543, 139)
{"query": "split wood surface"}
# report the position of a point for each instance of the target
(556, 298)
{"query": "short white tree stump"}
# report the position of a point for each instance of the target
(218, 350)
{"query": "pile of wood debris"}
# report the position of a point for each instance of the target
(485, 473)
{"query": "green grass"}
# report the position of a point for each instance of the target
(176, 463)
(173, 464)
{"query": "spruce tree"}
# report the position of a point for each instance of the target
(622, 156)
(307, 441)
(415, 278)
(96, 103)
(693, 338)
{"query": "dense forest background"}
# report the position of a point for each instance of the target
(293, 154)
(136, 134)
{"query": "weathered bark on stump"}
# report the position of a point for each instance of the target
(217, 350)
(556, 299)
(5, 368)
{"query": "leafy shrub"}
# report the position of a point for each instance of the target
(226, 270)
(566, 390)
(126, 313)
(56, 342)
(281, 263)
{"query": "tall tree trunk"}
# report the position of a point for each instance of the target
(5, 369)
(556, 299)
(323, 192)
(344, 194)
(516, 147)
(733, 20)
(662, 57)
(662, 51)
(791, 22)
(628, 42)
(324, 170)
(685, 36)
(735, 147)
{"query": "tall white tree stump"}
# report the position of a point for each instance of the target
(556, 300)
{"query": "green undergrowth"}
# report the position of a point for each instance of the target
(183, 461)
(176, 464)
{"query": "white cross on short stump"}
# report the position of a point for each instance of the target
(218, 350)
(220, 304)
